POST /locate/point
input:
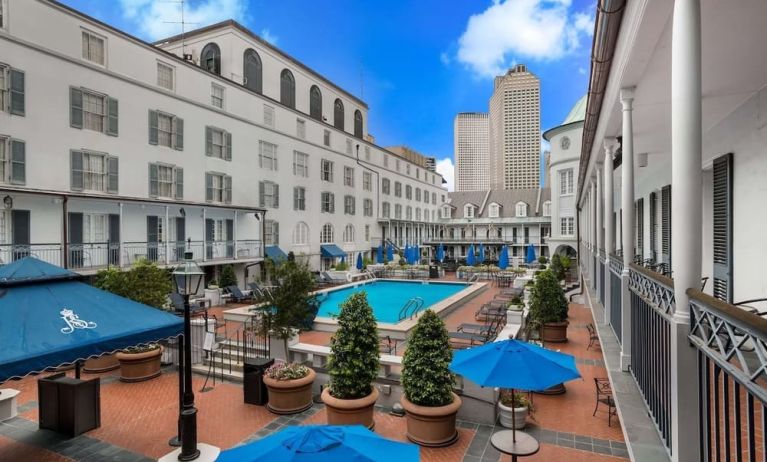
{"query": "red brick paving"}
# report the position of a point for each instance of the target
(551, 453)
(11, 450)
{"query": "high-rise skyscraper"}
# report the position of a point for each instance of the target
(515, 130)
(471, 143)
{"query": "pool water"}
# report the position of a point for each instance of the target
(388, 297)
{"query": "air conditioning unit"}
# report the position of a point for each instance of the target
(187, 56)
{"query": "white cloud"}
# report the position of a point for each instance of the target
(267, 35)
(156, 19)
(446, 168)
(517, 30)
(444, 57)
(582, 70)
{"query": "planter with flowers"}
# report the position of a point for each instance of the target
(140, 363)
(516, 404)
(290, 387)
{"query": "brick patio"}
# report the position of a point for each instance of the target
(138, 419)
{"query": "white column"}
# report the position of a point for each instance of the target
(167, 236)
(686, 221)
(598, 198)
(610, 146)
(234, 234)
(627, 199)
(204, 242)
(122, 239)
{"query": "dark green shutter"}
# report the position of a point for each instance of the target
(228, 147)
(276, 233)
(112, 113)
(112, 174)
(723, 219)
(179, 176)
(17, 92)
(75, 107)
(179, 122)
(332, 203)
(153, 135)
(653, 226)
(276, 190)
(208, 141)
(227, 189)
(77, 170)
(261, 192)
(18, 162)
(665, 212)
(154, 187)
(640, 229)
(208, 187)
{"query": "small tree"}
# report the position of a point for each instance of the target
(144, 283)
(566, 263)
(353, 362)
(542, 260)
(556, 266)
(227, 277)
(426, 379)
(547, 300)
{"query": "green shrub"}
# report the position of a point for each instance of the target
(557, 268)
(145, 283)
(353, 362)
(547, 301)
(342, 266)
(542, 260)
(227, 277)
(426, 379)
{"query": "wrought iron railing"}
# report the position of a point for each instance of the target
(616, 297)
(50, 253)
(616, 264)
(601, 276)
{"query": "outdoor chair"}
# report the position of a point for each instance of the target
(237, 296)
(492, 325)
(605, 396)
(461, 339)
(593, 337)
(178, 303)
(387, 345)
(489, 310)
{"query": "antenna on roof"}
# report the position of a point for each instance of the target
(183, 28)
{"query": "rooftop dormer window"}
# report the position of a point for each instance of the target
(210, 59)
(252, 71)
(288, 89)
(338, 114)
(468, 211)
(521, 209)
(494, 210)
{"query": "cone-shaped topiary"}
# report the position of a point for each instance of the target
(353, 362)
(426, 379)
(547, 300)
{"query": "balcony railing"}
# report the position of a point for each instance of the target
(486, 240)
(50, 253)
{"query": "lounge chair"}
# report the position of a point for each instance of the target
(493, 325)
(178, 303)
(491, 309)
(237, 296)
(466, 339)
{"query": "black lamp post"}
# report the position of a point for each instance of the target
(187, 278)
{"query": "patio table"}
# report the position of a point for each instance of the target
(525, 445)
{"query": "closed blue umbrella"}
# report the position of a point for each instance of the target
(359, 261)
(380, 254)
(470, 256)
(416, 254)
(503, 260)
(406, 253)
(441, 253)
(481, 253)
(389, 252)
(530, 254)
(319, 443)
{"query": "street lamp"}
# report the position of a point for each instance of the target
(186, 279)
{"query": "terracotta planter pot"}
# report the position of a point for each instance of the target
(350, 411)
(290, 396)
(432, 426)
(520, 414)
(137, 367)
(555, 332)
(555, 390)
(101, 364)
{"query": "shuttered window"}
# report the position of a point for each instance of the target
(91, 171)
(271, 232)
(723, 227)
(640, 229)
(12, 161)
(299, 198)
(166, 181)
(315, 103)
(665, 223)
(349, 205)
(267, 155)
(218, 143)
(93, 111)
(268, 194)
(328, 202)
(218, 188)
(12, 97)
(166, 130)
(653, 226)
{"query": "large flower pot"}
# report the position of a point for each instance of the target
(350, 411)
(432, 426)
(555, 332)
(103, 363)
(137, 367)
(555, 390)
(519, 415)
(290, 396)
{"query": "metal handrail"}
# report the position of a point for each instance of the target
(415, 303)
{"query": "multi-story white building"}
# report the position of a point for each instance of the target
(113, 149)
(471, 147)
(515, 124)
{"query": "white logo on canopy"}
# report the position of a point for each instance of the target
(74, 322)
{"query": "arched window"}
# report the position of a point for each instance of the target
(349, 233)
(252, 70)
(287, 89)
(210, 59)
(301, 234)
(315, 103)
(521, 209)
(338, 114)
(358, 123)
(326, 237)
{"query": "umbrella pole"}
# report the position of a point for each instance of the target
(513, 419)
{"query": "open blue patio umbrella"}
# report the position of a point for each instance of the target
(470, 256)
(380, 254)
(389, 252)
(319, 443)
(503, 260)
(514, 364)
(440, 253)
(359, 261)
(530, 254)
(481, 253)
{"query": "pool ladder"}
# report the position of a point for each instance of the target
(411, 308)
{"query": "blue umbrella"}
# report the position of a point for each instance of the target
(318, 443)
(470, 256)
(514, 364)
(406, 253)
(389, 253)
(481, 253)
(503, 260)
(380, 254)
(416, 254)
(359, 261)
(530, 254)
(441, 253)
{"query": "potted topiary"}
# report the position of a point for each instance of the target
(290, 388)
(516, 304)
(557, 266)
(516, 403)
(140, 363)
(548, 308)
(429, 402)
(566, 263)
(353, 365)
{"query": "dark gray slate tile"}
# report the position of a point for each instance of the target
(565, 443)
(565, 436)
(620, 453)
(582, 439)
(602, 450)
(584, 446)
(477, 446)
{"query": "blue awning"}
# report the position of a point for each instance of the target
(49, 319)
(332, 251)
(275, 253)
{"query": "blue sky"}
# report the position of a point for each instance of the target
(416, 63)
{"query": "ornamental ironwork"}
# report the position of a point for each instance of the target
(656, 294)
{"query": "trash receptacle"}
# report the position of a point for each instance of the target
(253, 385)
(433, 272)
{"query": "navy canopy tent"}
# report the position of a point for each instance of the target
(50, 318)
(275, 253)
(332, 251)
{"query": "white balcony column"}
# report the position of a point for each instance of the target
(593, 226)
(166, 230)
(599, 234)
(234, 235)
(121, 250)
(686, 221)
(627, 228)
(610, 146)
(204, 241)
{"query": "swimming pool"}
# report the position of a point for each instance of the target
(388, 297)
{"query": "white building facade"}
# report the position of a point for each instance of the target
(471, 147)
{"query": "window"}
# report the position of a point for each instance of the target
(367, 153)
(468, 211)
(218, 143)
(349, 146)
(12, 161)
(521, 209)
(398, 211)
(349, 233)
(326, 138)
(418, 173)
(166, 130)
(386, 186)
(95, 227)
(367, 206)
(566, 226)
(166, 181)
(418, 194)
(367, 233)
(385, 159)
(408, 192)
(493, 211)
(327, 170)
(252, 71)
(268, 116)
(218, 188)
(217, 95)
(446, 212)
(269, 194)
(565, 182)
(547, 209)
(300, 164)
(315, 103)
(165, 75)
(299, 198)
(328, 202)
(326, 236)
(93, 111)
(287, 89)
(397, 189)
(3, 20)
(434, 198)
(267, 155)
(349, 205)
(407, 169)
(385, 209)
(93, 171)
(358, 124)
(301, 128)
(338, 114)
(301, 234)
(271, 232)
(210, 58)
(367, 181)
(93, 47)
(417, 214)
(349, 176)
(409, 213)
